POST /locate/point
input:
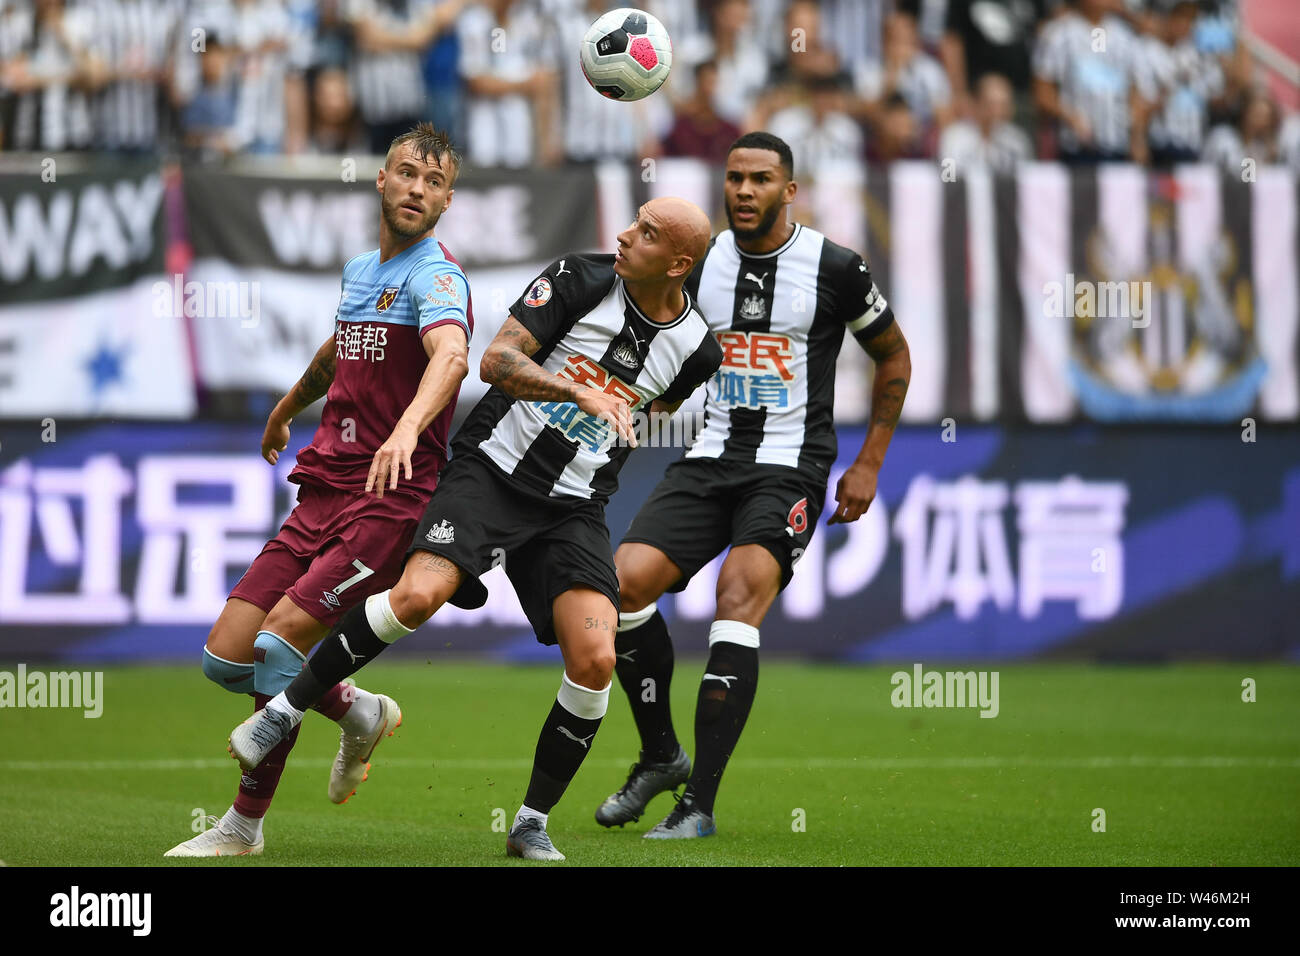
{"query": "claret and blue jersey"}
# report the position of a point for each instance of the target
(385, 309)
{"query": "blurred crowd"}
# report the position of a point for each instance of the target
(989, 82)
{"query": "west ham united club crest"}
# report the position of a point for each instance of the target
(386, 299)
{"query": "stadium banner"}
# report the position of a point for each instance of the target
(262, 287)
(1058, 295)
(83, 330)
(1109, 294)
(1132, 296)
(316, 221)
(122, 542)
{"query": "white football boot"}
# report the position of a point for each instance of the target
(352, 762)
(215, 841)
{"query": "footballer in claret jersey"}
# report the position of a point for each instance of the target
(390, 374)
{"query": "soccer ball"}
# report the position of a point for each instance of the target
(626, 54)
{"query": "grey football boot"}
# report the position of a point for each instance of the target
(256, 737)
(683, 823)
(528, 840)
(645, 782)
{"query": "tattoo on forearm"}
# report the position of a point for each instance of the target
(519, 376)
(893, 370)
(508, 366)
(888, 343)
(315, 382)
(887, 402)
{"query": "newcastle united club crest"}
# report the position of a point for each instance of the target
(753, 308)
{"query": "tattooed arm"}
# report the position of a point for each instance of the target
(508, 365)
(314, 383)
(857, 489)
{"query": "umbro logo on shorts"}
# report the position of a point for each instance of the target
(330, 599)
(441, 534)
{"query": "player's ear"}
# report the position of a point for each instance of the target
(681, 266)
(450, 193)
(379, 180)
(787, 196)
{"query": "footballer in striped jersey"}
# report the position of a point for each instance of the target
(779, 297)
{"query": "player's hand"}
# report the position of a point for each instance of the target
(390, 458)
(854, 494)
(275, 439)
(610, 409)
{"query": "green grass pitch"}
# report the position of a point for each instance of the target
(828, 772)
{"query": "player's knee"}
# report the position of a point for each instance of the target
(740, 600)
(414, 599)
(634, 592)
(228, 675)
(281, 618)
(229, 642)
(642, 579)
(593, 669)
(631, 599)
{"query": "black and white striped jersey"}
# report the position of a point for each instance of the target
(132, 37)
(388, 85)
(592, 332)
(780, 319)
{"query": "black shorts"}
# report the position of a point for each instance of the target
(704, 505)
(478, 518)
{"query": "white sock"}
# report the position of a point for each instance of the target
(363, 716)
(583, 701)
(248, 829)
(382, 620)
(525, 812)
(280, 704)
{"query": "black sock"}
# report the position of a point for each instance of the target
(645, 653)
(331, 661)
(720, 714)
(564, 743)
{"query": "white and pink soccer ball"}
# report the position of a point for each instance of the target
(626, 54)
